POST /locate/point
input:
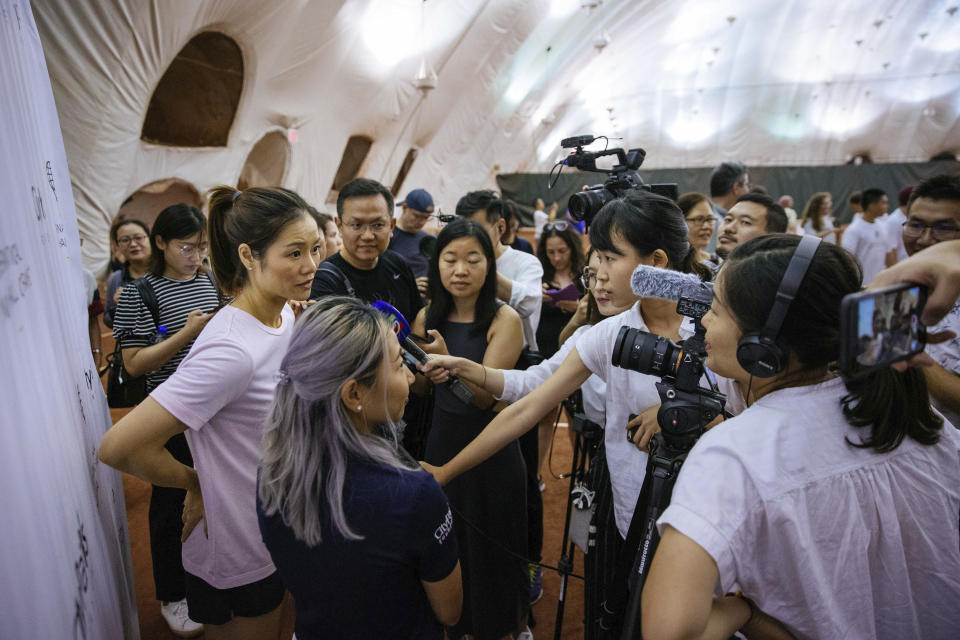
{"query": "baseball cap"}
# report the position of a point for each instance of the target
(419, 200)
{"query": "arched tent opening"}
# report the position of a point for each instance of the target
(266, 164)
(404, 170)
(350, 164)
(146, 203)
(196, 100)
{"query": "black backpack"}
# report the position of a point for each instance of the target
(124, 390)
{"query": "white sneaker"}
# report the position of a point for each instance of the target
(175, 613)
(526, 635)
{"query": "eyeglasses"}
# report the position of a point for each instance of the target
(419, 215)
(940, 231)
(374, 227)
(701, 221)
(125, 240)
(588, 279)
(188, 250)
(557, 225)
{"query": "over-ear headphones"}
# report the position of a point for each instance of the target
(759, 353)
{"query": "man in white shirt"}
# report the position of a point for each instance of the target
(870, 240)
(896, 219)
(933, 216)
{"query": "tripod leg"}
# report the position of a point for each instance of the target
(566, 557)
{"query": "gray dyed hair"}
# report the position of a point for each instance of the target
(309, 438)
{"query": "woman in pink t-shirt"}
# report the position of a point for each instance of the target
(265, 247)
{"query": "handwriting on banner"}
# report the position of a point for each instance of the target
(81, 569)
(15, 279)
(52, 181)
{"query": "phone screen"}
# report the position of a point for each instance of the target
(882, 327)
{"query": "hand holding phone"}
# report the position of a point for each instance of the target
(881, 327)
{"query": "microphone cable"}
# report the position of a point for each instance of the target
(496, 543)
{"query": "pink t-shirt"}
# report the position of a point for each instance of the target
(222, 391)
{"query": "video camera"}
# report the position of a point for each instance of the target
(686, 407)
(623, 177)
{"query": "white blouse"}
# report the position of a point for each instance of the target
(833, 540)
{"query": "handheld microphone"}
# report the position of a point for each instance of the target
(666, 284)
(402, 328)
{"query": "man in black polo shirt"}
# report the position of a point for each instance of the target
(364, 268)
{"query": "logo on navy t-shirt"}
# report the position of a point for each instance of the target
(443, 530)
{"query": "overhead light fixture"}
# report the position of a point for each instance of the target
(601, 41)
(426, 78)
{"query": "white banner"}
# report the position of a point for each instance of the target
(65, 568)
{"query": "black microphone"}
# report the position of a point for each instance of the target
(402, 328)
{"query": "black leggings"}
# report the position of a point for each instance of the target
(166, 525)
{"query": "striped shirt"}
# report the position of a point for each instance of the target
(133, 323)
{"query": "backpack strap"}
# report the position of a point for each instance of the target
(337, 272)
(149, 298)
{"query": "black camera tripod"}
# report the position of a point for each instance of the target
(685, 410)
(589, 435)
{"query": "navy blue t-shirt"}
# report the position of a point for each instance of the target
(408, 245)
(370, 588)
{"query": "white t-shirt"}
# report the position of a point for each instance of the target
(222, 391)
(869, 242)
(540, 219)
(517, 384)
(627, 392)
(894, 224)
(526, 273)
(835, 541)
(947, 355)
(826, 223)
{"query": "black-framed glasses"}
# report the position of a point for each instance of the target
(941, 231)
(588, 278)
(557, 225)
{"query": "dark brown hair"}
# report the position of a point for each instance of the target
(174, 223)
(892, 404)
(119, 222)
(253, 217)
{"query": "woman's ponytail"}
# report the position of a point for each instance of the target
(253, 217)
(893, 405)
(224, 259)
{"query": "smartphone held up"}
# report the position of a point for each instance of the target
(881, 327)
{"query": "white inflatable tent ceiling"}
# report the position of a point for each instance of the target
(795, 82)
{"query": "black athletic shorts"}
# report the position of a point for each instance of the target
(208, 605)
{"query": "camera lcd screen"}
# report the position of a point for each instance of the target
(888, 327)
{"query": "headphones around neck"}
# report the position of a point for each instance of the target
(759, 353)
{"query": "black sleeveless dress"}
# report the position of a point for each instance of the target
(492, 497)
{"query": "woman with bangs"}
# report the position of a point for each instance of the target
(640, 228)
(465, 319)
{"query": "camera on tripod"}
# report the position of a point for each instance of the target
(685, 407)
(623, 177)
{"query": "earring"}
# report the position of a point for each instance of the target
(359, 407)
